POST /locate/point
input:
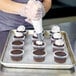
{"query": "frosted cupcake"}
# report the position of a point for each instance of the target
(39, 45)
(22, 29)
(34, 37)
(55, 29)
(56, 36)
(18, 36)
(58, 45)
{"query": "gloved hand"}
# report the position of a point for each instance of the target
(34, 10)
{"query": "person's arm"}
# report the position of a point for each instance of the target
(47, 5)
(10, 6)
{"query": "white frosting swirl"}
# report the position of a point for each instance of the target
(21, 28)
(18, 34)
(57, 35)
(39, 42)
(59, 42)
(55, 28)
(35, 35)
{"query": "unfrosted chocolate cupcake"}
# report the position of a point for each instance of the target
(60, 56)
(58, 45)
(16, 54)
(39, 55)
(17, 44)
(56, 36)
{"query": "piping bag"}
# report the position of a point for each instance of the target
(37, 24)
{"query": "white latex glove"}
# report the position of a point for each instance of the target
(34, 10)
(41, 9)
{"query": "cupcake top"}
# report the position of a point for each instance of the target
(57, 36)
(18, 34)
(55, 28)
(35, 35)
(17, 42)
(59, 42)
(60, 54)
(21, 28)
(39, 52)
(39, 42)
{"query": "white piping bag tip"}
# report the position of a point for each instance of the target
(37, 24)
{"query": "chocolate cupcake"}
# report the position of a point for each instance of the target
(39, 55)
(16, 54)
(39, 45)
(18, 36)
(56, 36)
(34, 37)
(22, 29)
(55, 29)
(58, 45)
(60, 56)
(17, 44)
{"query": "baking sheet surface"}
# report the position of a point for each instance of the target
(28, 55)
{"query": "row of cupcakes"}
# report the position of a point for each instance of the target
(59, 51)
(39, 52)
(58, 45)
(17, 51)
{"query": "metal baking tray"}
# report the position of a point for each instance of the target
(28, 62)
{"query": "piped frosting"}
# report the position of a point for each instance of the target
(57, 35)
(18, 34)
(59, 42)
(35, 35)
(39, 42)
(21, 28)
(55, 28)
